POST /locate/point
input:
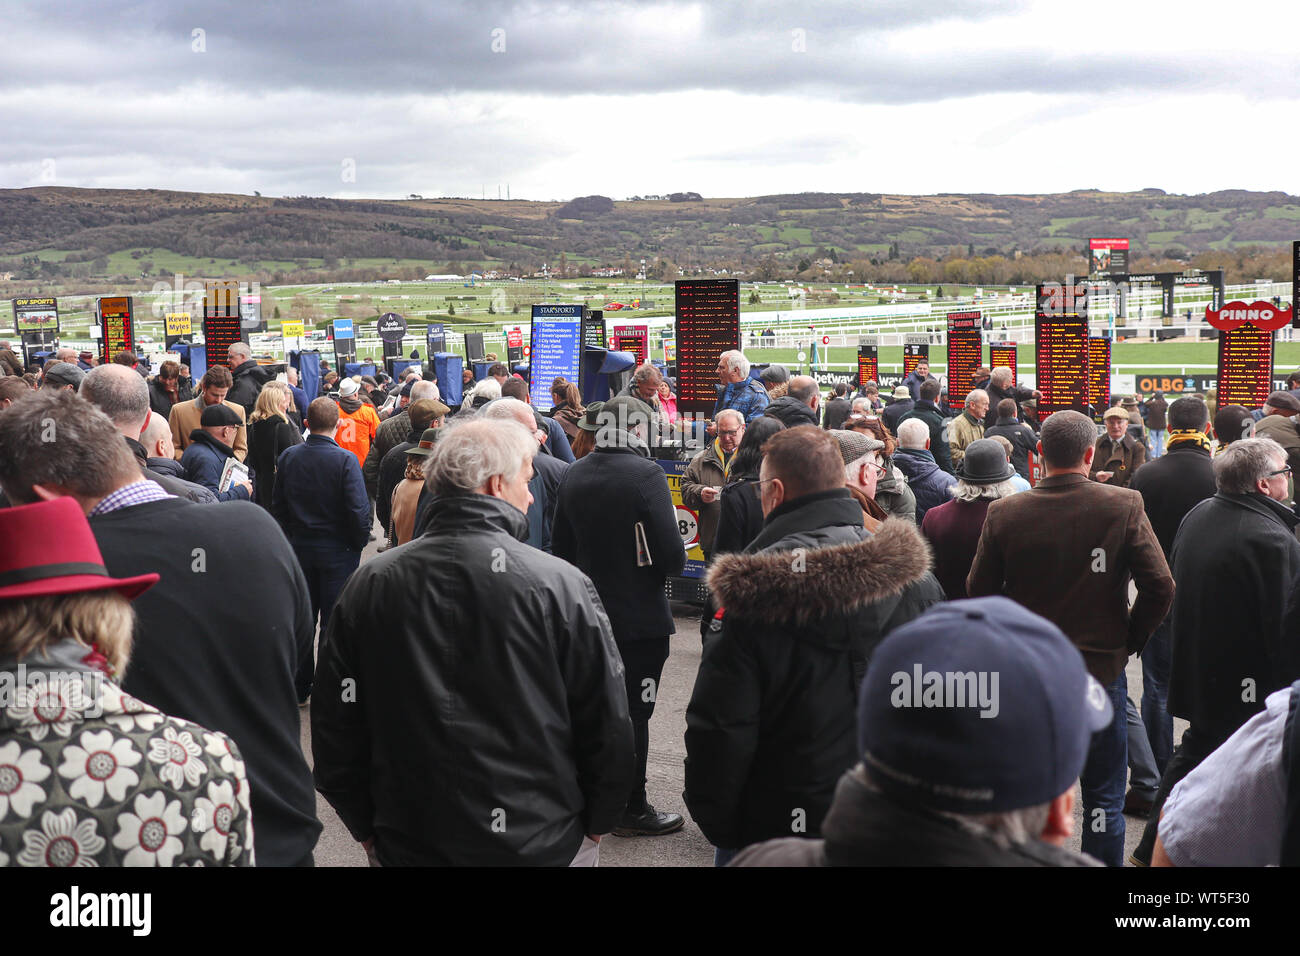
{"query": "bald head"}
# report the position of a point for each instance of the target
(157, 437)
(512, 409)
(803, 388)
(121, 394)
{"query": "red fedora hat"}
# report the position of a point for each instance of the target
(53, 551)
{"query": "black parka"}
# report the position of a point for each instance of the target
(470, 706)
(772, 720)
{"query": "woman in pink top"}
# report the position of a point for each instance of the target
(667, 402)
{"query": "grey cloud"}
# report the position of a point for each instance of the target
(585, 47)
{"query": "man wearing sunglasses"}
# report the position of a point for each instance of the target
(1236, 622)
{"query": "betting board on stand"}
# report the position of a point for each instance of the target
(708, 324)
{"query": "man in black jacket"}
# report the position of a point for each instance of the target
(799, 405)
(615, 520)
(224, 638)
(928, 411)
(1236, 621)
(900, 404)
(320, 501)
(157, 455)
(1000, 387)
(1022, 437)
(248, 375)
(838, 408)
(166, 389)
(478, 717)
(771, 722)
(1171, 486)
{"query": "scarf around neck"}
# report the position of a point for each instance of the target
(1193, 435)
(724, 458)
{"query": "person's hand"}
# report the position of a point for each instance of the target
(1105, 475)
(594, 838)
(247, 486)
(710, 495)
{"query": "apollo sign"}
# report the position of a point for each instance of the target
(1262, 315)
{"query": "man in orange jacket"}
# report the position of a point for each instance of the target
(358, 425)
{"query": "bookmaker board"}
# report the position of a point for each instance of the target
(708, 324)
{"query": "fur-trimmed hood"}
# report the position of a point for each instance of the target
(829, 581)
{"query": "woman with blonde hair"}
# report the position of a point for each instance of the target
(90, 776)
(269, 433)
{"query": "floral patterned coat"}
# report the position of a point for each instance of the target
(90, 776)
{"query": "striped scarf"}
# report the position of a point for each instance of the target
(723, 457)
(1193, 435)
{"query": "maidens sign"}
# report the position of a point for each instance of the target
(1107, 257)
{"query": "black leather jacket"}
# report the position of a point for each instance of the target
(469, 706)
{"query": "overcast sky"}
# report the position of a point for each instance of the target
(390, 97)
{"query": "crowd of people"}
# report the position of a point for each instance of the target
(480, 692)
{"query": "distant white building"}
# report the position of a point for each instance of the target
(444, 278)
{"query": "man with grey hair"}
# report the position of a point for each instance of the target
(548, 471)
(1068, 549)
(123, 396)
(514, 690)
(645, 385)
(929, 482)
(968, 426)
(1000, 386)
(736, 389)
(249, 377)
(708, 471)
(1235, 623)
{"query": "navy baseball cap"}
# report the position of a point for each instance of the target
(978, 706)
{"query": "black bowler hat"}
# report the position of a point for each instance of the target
(985, 463)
